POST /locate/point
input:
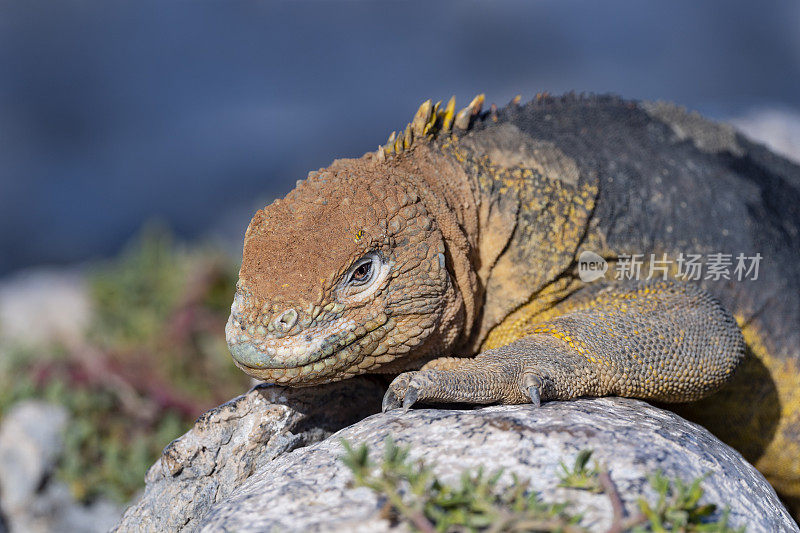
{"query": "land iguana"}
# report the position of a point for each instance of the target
(451, 257)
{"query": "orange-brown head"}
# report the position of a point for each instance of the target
(343, 276)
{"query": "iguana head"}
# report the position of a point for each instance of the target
(343, 276)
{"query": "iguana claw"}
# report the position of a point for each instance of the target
(533, 384)
(410, 398)
(390, 401)
(533, 392)
(399, 394)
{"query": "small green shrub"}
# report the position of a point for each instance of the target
(579, 476)
(678, 508)
(414, 495)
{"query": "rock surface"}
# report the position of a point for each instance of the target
(228, 444)
(30, 443)
(31, 499)
(55, 300)
(235, 471)
(777, 128)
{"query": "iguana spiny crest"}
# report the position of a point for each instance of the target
(432, 120)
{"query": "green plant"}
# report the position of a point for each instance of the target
(679, 509)
(154, 359)
(579, 476)
(414, 495)
(134, 294)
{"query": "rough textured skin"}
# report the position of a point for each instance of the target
(464, 243)
(613, 344)
(307, 489)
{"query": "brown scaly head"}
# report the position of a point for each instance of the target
(349, 273)
(343, 276)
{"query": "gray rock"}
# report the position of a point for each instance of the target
(55, 299)
(778, 129)
(229, 443)
(306, 490)
(707, 136)
(55, 510)
(30, 443)
(32, 501)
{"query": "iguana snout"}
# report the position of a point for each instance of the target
(285, 345)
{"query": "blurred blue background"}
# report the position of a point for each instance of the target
(197, 113)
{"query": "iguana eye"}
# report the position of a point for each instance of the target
(362, 272)
(364, 278)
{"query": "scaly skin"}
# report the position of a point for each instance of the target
(449, 258)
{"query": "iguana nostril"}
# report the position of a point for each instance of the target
(286, 320)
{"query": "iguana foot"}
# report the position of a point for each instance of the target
(450, 380)
(397, 393)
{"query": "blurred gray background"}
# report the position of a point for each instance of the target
(197, 113)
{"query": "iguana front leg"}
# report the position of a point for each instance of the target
(662, 341)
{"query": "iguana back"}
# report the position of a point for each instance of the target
(670, 182)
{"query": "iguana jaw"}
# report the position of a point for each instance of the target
(315, 355)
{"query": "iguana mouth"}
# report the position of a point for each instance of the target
(319, 349)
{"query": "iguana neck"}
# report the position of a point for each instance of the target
(532, 216)
(450, 196)
(511, 231)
